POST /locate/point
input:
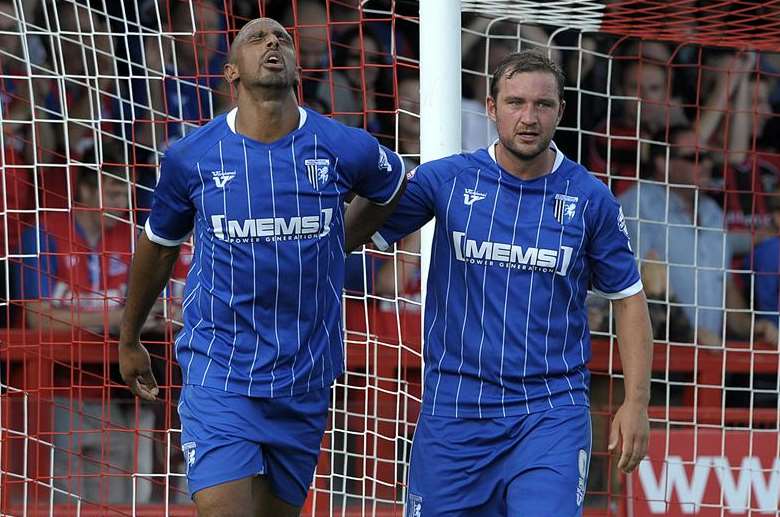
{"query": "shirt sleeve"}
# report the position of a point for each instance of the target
(172, 215)
(612, 263)
(38, 270)
(415, 208)
(375, 172)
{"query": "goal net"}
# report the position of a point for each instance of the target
(672, 105)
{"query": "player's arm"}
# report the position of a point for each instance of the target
(635, 342)
(364, 217)
(169, 224)
(149, 273)
(616, 277)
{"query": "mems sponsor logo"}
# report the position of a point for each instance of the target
(271, 229)
(501, 254)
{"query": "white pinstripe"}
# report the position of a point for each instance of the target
(549, 314)
(232, 280)
(466, 305)
(506, 299)
(276, 300)
(211, 291)
(482, 316)
(530, 294)
(254, 271)
(571, 295)
(446, 298)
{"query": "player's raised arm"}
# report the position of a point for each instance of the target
(150, 271)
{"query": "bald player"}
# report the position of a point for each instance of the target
(262, 190)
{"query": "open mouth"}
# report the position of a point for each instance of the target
(273, 60)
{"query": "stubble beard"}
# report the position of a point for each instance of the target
(526, 156)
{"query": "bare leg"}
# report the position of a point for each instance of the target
(266, 504)
(231, 499)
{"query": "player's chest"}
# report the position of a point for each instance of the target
(279, 181)
(537, 215)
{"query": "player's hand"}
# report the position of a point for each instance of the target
(136, 369)
(631, 430)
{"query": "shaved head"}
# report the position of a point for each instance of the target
(244, 32)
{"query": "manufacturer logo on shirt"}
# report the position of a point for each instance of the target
(565, 208)
(413, 506)
(222, 177)
(317, 171)
(188, 450)
(384, 163)
(471, 196)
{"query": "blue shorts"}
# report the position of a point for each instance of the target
(532, 465)
(227, 436)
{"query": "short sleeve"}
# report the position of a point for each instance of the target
(415, 208)
(612, 263)
(172, 215)
(38, 270)
(375, 172)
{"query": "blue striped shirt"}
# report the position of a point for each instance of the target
(506, 327)
(262, 302)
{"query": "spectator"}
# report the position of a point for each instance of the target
(643, 75)
(752, 173)
(660, 218)
(191, 89)
(360, 96)
(311, 20)
(80, 260)
(409, 120)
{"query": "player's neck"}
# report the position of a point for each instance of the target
(266, 119)
(537, 166)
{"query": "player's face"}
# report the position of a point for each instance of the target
(265, 57)
(526, 112)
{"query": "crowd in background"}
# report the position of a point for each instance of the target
(686, 136)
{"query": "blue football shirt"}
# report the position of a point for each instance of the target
(506, 327)
(262, 302)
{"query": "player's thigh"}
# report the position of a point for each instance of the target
(554, 459)
(230, 499)
(291, 437)
(217, 440)
(454, 468)
(266, 504)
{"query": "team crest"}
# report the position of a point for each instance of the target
(384, 163)
(565, 208)
(222, 177)
(471, 196)
(318, 171)
(188, 450)
(413, 506)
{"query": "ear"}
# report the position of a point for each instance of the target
(230, 71)
(561, 108)
(490, 105)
